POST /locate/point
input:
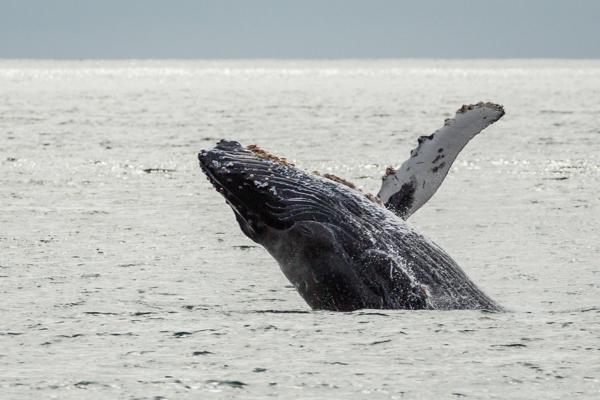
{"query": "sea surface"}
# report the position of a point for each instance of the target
(123, 274)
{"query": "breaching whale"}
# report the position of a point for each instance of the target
(343, 249)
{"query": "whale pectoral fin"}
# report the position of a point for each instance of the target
(404, 191)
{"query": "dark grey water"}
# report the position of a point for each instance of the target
(124, 275)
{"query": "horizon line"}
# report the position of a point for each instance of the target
(293, 58)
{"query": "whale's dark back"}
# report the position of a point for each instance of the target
(341, 250)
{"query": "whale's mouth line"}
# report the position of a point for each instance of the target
(231, 199)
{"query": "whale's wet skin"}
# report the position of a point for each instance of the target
(341, 250)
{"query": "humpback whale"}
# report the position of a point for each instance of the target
(344, 249)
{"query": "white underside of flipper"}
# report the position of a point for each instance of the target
(404, 191)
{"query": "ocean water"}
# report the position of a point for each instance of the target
(123, 274)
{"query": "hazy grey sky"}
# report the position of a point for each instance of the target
(299, 29)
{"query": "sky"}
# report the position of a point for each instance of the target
(314, 29)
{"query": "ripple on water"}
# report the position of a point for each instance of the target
(124, 275)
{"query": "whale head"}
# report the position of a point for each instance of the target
(248, 184)
(269, 195)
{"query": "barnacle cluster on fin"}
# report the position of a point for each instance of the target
(265, 155)
(467, 107)
(449, 121)
(389, 170)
